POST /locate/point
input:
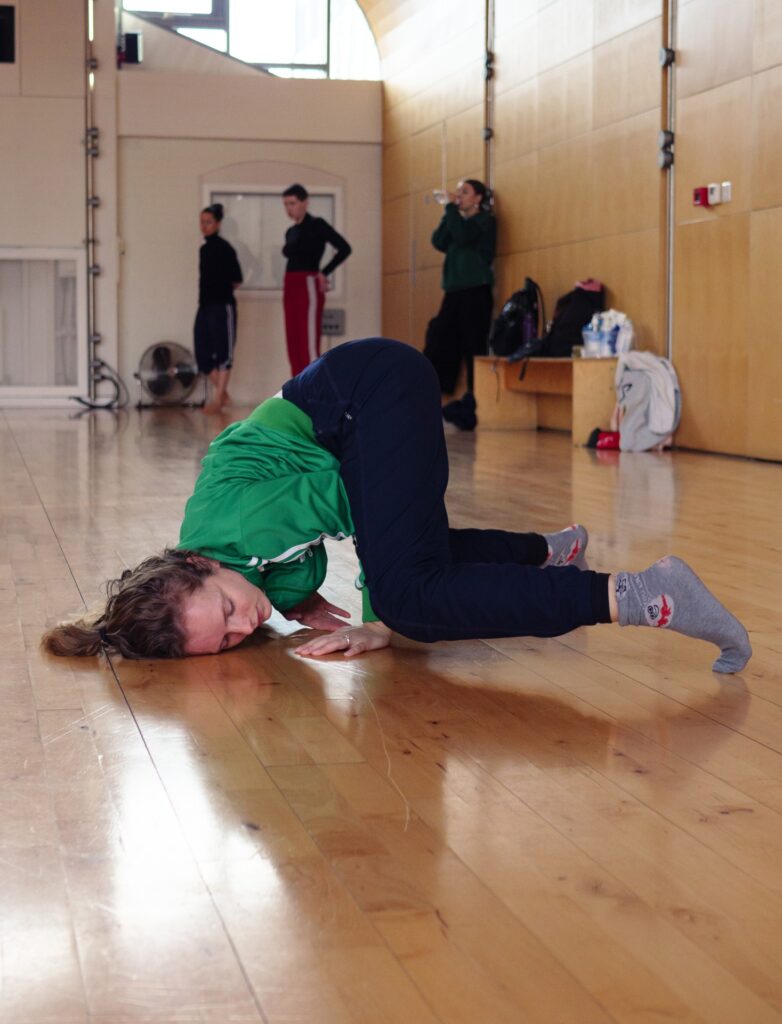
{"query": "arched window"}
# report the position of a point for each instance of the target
(293, 39)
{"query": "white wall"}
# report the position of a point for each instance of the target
(167, 127)
(182, 129)
(42, 128)
(162, 193)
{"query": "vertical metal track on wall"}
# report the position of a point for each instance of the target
(669, 71)
(92, 151)
(488, 94)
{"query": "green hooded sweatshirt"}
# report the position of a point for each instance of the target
(267, 497)
(468, 244)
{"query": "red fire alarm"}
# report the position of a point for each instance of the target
(700, 196)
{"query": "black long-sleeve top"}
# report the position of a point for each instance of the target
(218, 272)
(306, 242)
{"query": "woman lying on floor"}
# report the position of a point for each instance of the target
(355, 447)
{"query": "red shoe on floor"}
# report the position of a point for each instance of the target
(608, 439)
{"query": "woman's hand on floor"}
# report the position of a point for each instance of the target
(317, 613)
(358, 640)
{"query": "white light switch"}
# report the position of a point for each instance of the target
(727, 191)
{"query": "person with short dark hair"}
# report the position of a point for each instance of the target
(306, 283)
(214, 332)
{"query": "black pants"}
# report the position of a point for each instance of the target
(375, 405)
(459, 332)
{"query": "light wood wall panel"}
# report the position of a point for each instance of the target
(714, 44)
(613, 18)
(764, 371)
(714, 144)
(767, 37)
(396, 305)
(576, 119)
(726, 306)
(767, 138)
(626, 76)
(577, 111)
(433, 117)
(710, 332)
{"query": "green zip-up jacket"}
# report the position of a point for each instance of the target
(267, 497)
(468, 244)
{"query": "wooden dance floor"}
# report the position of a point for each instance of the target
(574, 831)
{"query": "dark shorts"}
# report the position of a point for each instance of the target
(214, 336)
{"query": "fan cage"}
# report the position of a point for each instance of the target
(167, 375)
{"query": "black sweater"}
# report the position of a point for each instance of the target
(306, 242)
(219, 271)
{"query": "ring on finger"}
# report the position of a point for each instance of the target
(347, 641)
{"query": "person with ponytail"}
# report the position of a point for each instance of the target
(354, 446)
(214, 331)
(467, 234)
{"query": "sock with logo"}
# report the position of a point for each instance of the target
(568, 547)
(668, 595)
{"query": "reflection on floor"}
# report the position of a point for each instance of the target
(565, 831)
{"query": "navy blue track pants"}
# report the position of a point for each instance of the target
(375, 404)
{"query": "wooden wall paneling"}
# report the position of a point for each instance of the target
(428, 108)
(565, 29)
(464, 145)
(516, 121)
(397, 307)
(556, 268)
(464, 88)
(626, 74)
(397, 117)
(397, 169)
(629, 266)
(764, 390)
(518, 211)
(713, 143)
(516, 54)
(426, 298)
(509, 274)
(710, 350)
(563, 173)
(426, 162)
(767, 138)
(425, 215)
(615, 17)
(623, 188)
(509, 14)
(714, 44)
(565, 101)
(396, 235)
(767, 37)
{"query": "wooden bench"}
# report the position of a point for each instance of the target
(564, 394)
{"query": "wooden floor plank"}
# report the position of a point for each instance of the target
(586, 829)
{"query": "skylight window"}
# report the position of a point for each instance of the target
(294, 39)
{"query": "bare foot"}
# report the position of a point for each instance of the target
(211, 410)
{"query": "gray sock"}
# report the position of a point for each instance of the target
(567, 547)
(669, 595)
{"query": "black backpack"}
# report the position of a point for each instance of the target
(519, 322)
(572, 312)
